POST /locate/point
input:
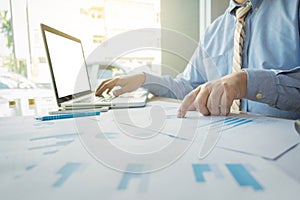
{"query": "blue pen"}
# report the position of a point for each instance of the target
(66, 116)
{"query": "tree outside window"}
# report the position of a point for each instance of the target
(8, 58)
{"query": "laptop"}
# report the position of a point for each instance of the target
(70, 77)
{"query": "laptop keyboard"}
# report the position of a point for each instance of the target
(105, 98)
(94, 99)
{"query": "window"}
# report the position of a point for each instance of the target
(7, 49)
(93, 21)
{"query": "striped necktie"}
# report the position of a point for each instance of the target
(239, 36)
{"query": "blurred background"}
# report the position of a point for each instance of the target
(25, 79)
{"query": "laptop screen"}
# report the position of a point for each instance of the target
(67, 63)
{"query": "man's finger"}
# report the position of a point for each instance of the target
(225, 104)
(214, 100)
(187, 103)
(201, 101)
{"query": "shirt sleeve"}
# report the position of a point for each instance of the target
(193, 75)
(166, 86)
(279, 89)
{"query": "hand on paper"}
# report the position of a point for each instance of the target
(215, 97)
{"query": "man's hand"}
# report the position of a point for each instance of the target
(215, 97)
(127, 83)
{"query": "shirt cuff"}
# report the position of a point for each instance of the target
(261, 86)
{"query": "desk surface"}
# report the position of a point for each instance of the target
(42, 105)
(91, 157)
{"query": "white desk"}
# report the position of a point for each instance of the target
(57, 160)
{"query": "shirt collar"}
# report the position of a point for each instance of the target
(233, 5)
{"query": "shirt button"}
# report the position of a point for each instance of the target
(259, 95)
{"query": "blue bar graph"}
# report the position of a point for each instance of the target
(239, 172)
(243, 177)
(238, 123)
(61, 136)
(132, 172)
(199, 169)
(51, 143)
(57, 144)
(228, 123)
(66, 171)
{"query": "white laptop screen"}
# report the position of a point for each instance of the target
(68, 65)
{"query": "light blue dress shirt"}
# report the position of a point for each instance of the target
(271, 59)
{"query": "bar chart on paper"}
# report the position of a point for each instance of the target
(51, 144)
(46, 146)
(133, 172)
(226, 123)
(239, 172)
(65, 172)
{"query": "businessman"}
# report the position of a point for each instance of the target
(248, 59)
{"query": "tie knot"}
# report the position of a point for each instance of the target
(243, 11)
